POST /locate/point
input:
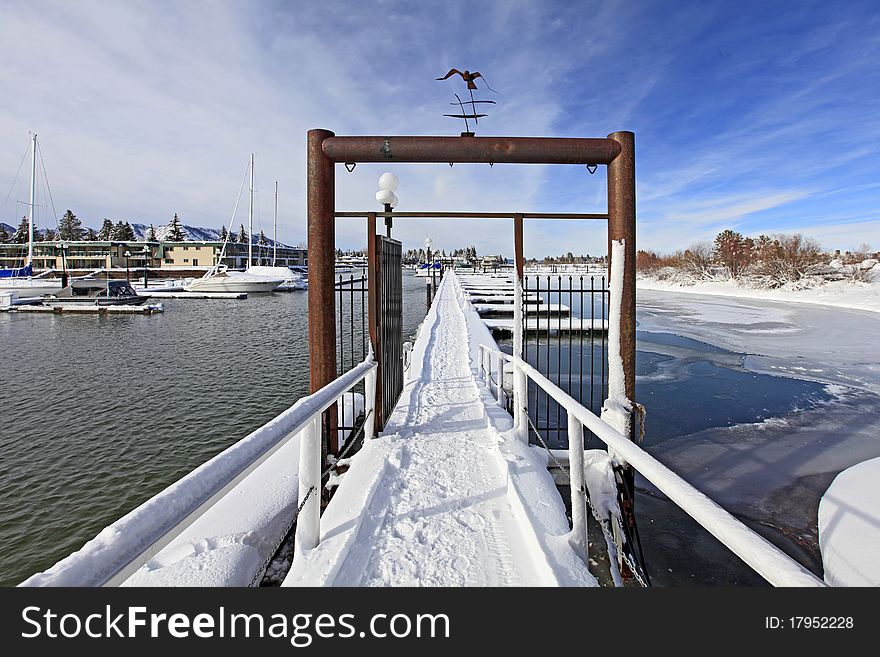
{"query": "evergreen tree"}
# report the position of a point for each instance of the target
(242, 235)
(262, 241)
(175, 230)
(4, 236)
(151, 234)
(49, 235)
(106, 230)
(223, 233)
(90, 235)
(126, 232)
(21, 233)
(70, 227)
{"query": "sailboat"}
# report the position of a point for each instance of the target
(220, 278)
(290, 280)
(21, 280)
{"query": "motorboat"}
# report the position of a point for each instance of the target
(220, 279)
(290, 280)
(113, 293)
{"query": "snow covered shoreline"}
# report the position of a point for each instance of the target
(840, 294)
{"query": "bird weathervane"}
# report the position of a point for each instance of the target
(469, 78)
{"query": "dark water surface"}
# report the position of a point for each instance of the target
(99, 413)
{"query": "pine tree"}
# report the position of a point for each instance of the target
(223, 233)
(175, 230)
(106, 230)
(126, 232)
(151, 234)
(262, 241)
(70, 227)
(242, 235)
(49, 235)
(21, 233)
(4, 236)
(90, 235)
(116, 231)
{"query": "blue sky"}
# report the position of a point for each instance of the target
(759, 116)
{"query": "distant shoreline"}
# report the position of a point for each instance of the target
(840, 294)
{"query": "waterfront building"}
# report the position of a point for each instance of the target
(186, 255)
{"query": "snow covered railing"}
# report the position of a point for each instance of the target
(126, 545)
(762, 556)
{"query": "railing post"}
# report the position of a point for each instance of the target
(499, 390)
(578, 502)
(308, 524)
(369, 405)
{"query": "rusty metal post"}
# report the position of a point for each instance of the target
(622, 226)
(322, 258)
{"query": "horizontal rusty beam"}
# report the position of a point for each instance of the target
(508, 150)
(477, 215)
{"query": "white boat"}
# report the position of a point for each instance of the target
(290, 280)
(21, 280)
(219, 279)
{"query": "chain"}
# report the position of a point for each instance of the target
(603, 522)
(348, 446)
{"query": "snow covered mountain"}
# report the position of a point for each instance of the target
(192, 233)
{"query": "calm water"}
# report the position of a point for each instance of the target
(101, 413)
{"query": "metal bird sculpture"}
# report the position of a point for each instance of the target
(468, 77)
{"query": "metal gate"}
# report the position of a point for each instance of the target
(388, 329)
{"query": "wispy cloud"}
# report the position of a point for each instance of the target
(146, 109)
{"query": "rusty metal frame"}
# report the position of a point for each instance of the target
(325, 150)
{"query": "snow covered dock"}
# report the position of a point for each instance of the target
(446, 496)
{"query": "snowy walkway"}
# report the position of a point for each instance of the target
(442, 510)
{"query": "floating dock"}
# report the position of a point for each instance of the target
(87, 309)
(545, 309)
(551, 326)
(192, 295)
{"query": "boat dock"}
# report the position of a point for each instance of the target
(191, 295)
(88, 309)
(493, 298)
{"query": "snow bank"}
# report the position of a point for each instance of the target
(841, 294)
(849, 527)
(233, 541)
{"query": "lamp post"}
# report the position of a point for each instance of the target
(388, 184)
(146, 250)
(127, 255)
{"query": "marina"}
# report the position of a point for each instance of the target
(447, 417)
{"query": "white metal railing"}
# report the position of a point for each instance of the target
(130, 542)
(762, 556)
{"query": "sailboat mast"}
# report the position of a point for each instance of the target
(251, 218)
(275, 227)
(32, 202)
